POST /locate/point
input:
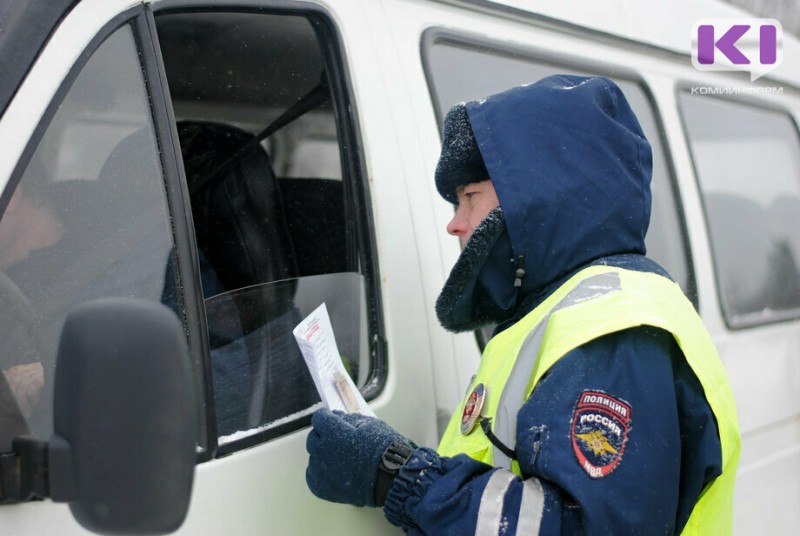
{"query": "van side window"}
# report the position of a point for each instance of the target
(277, 208)
(747, 161)
(88, 219)
(460, 70)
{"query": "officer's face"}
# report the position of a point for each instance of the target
(475, 201)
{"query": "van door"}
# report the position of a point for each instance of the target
(746, 156)
(288, 211)
(85, 215)
(152, 149)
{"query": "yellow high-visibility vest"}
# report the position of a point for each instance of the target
(597, 301)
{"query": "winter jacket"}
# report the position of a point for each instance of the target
(571, 168)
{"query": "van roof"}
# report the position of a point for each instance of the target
(663, 24)
(25, 26)
(623, 18)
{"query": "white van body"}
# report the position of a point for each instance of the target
(387, 61)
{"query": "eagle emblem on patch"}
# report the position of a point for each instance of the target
(600, 426)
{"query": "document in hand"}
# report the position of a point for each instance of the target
(315, 338)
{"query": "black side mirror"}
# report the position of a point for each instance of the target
(125, 421)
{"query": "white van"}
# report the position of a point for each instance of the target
(242, 161)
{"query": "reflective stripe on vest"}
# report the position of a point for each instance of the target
(598, 301)
(505, 424)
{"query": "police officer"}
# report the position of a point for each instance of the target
(600, 405)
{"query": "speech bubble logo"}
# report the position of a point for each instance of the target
(752, 45)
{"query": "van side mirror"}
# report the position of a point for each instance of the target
(125, 421)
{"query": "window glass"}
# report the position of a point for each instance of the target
(274, 218)
(461, 72)
(747, 161)
(88, 219)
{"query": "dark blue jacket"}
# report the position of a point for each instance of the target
(571, 168)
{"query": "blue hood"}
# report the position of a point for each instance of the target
(571, 167)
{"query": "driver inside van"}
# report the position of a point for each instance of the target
(29, 224)
(600, 405)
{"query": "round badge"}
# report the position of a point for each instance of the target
(472, 408)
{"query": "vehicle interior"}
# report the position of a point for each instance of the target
(272, 214)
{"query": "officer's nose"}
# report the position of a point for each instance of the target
(459, 225)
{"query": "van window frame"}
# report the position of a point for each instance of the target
(684, 87)
(356, 189)
(135, 17)
(188, 271)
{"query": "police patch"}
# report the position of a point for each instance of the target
(600, 426)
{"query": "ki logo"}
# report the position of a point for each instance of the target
(753, 45)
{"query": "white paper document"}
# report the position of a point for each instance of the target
(315, 337)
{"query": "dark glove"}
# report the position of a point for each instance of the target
(344, 452)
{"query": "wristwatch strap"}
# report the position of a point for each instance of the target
(394, 457)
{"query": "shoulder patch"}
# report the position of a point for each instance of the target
(600, 426)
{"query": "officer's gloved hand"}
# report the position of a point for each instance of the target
(344, 452)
